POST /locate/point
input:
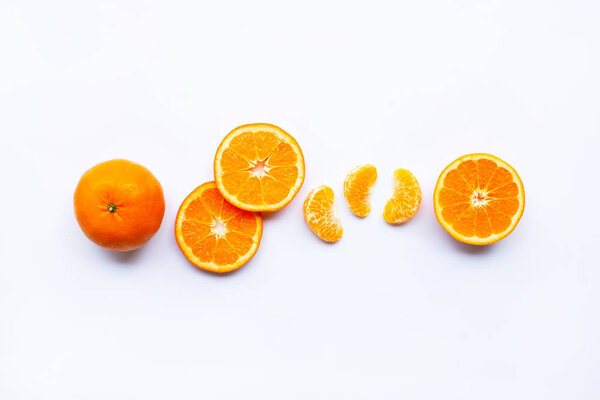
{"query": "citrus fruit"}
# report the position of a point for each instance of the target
(405, 201)
(259, 167)
(213, 234)
(321, 216)
(357, 187)
(119, 205)
(479, 199)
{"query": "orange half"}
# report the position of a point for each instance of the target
(213, 234)
(479, 199)
(320, 214)
(259, 167)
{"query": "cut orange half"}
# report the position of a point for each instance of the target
(357, 188)
(213, 234)
(259, 167)
(479, 199)
(405, 202)
(321, 216)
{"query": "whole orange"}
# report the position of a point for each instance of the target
(119, 205)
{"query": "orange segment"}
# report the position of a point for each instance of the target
(283, 155)
(250, 191)
(357, 188)
(285, 175)
(274, 191)
(259, 167)
(479, 199)
(234, 162)
(213, 234)
(266, 142)
(244, 145)
(404, 203)
(321, 216)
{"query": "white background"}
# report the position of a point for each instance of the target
(389, 312)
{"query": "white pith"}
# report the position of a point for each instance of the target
(219, 228)
(479, 198)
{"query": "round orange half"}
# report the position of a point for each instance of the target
(259, 167)
(479, 199)
(213, 234)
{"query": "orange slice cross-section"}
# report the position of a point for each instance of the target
(479, 199)
(213, 234)
(259, 167)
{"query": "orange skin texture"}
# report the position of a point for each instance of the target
(138, 199)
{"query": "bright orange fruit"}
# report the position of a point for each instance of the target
(357, 188)
(119, 205)
(320, 214)
(259, 167)
(213, 234)
(404, 203)
(479, 199)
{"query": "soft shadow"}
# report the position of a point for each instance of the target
(400, 225)
(321, 241)
(464, 247)
(218, 275)
(124, 257)
(270, 215)
(470, 248)
(224, 275)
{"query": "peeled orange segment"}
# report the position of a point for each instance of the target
(479, 199)
(321, 216)
(404, 203)
(259, 167)
(357, 188)
(213, 234)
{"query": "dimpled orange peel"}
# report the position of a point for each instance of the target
(119, 205)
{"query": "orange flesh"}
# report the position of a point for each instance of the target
(405, 202)
(357, 188)
(259, 167)
(213, 234)
(481, 199)
(320, 214)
